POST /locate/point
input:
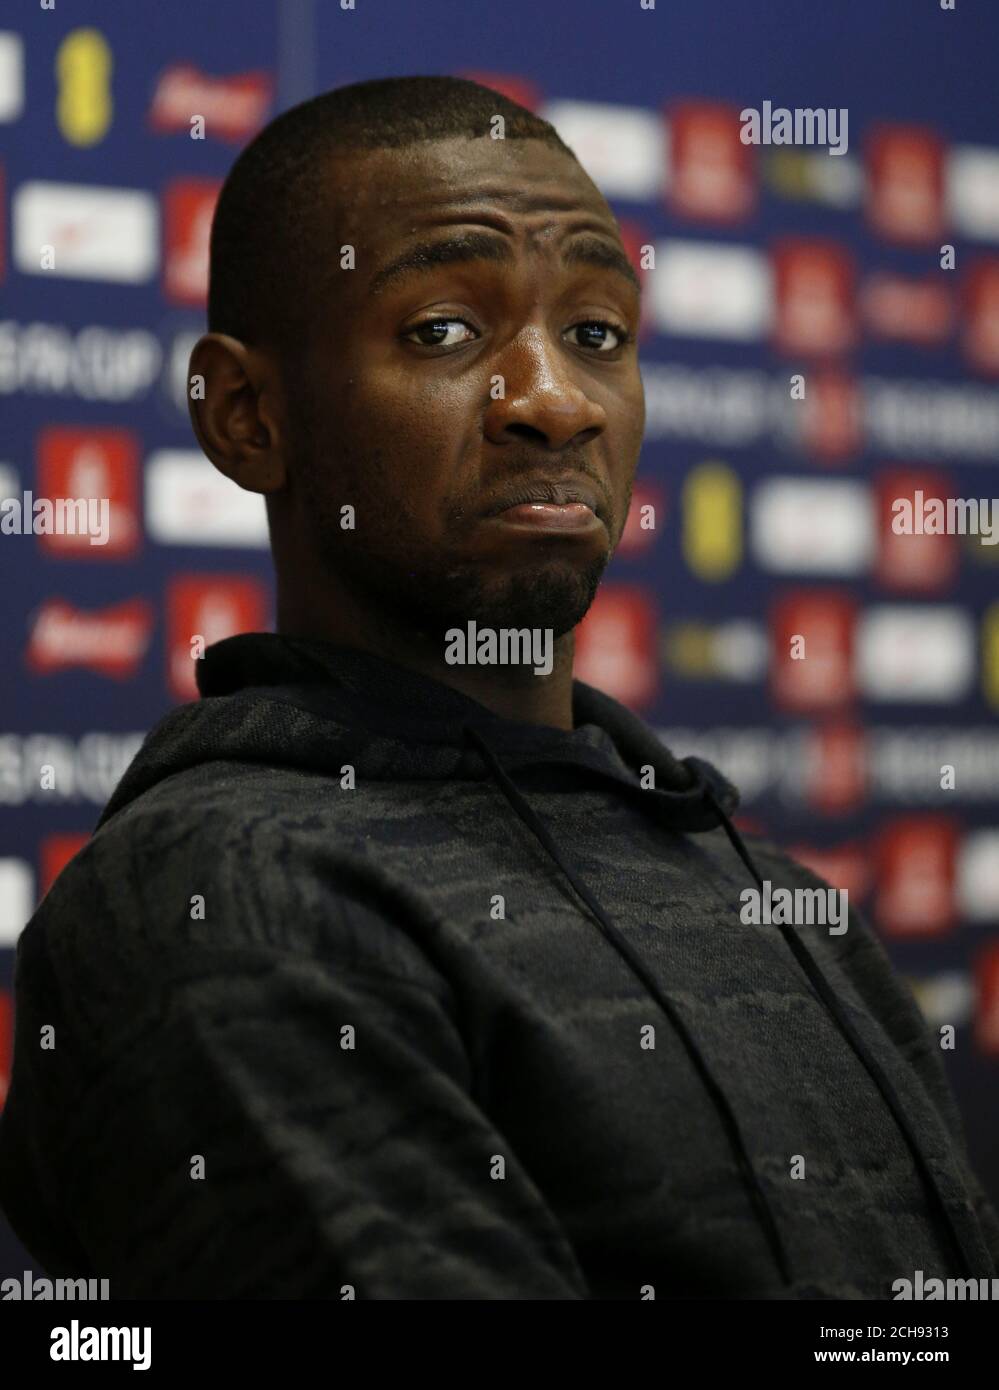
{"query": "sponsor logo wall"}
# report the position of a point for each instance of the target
(809, 359)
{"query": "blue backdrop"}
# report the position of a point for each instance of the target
(810, 354)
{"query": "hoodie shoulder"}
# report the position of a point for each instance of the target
(204, 872)
(859, 955)
(249, 727)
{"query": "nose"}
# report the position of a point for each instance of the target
(541, 401)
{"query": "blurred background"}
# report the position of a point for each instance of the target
(810, 354)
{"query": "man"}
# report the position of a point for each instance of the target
(401, 965)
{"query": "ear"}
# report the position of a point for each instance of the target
(235, 408)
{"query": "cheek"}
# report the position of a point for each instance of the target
(406, 411)
(397, 459)
(628, 430)
(635, 420)
(425, 431)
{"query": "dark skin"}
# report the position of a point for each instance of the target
(396, 413)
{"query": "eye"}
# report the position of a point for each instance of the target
(439, 326)
(594, 328)
(600, 334)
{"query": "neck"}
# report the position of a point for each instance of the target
(512, 692)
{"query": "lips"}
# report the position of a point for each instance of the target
(557, 494)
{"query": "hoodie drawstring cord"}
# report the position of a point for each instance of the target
(828, 997)
(757, 1195)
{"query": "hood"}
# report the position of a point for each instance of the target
(296, 702)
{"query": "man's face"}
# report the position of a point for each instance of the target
(498, 366)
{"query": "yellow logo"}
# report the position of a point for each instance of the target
(712, 521)
(83, 72)
(990, 655)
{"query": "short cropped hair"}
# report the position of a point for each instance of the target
(270, 238)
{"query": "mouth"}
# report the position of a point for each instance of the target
(550, 506)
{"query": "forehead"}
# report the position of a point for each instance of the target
(384, 195)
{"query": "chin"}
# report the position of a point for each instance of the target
(556, 595)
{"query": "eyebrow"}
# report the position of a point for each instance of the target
(481, 246)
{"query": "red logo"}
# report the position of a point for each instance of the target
(916, 858)
(234, 108)
(845, 866)
(903, 309)
(812, 637)
(100, 466)
(831, 421)
(646, 517)
(713, 175)
(616, 645)
(111, 642)
(912, 563)
(518, 89)
(835, 768)
(211, 607)
(905, 183)
(980, 338)
(815, 298)
(55, 853)
(187, 223)
(986, 968)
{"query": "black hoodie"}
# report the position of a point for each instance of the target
(361, 987)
